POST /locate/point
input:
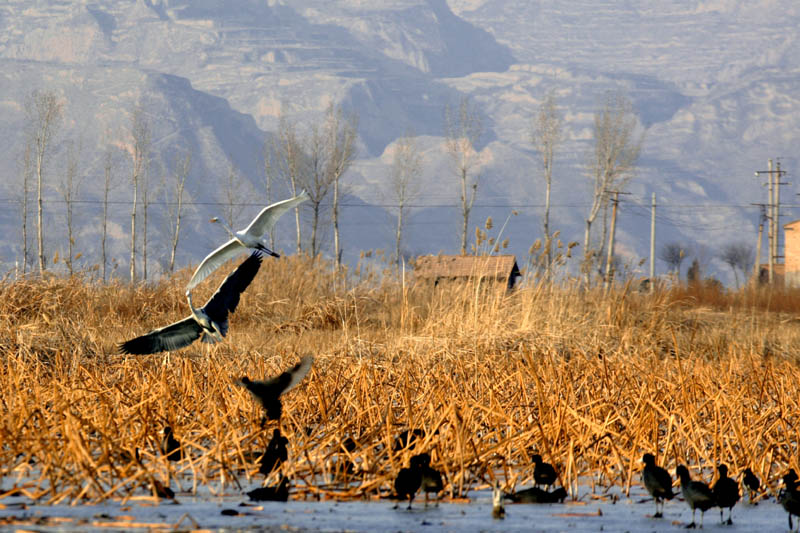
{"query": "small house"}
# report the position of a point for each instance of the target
(498, 268)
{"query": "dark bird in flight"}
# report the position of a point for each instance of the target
(209, 322)
(268, 392)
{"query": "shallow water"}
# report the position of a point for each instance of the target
(191, 512)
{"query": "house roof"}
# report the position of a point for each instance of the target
(791, 224)
(466, 266)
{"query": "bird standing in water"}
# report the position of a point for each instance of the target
(409, 480)
(543, 473)
(726, 493)
(696, 493)
(658, 483)
(751, 484)
(431, 478)
(170, 446)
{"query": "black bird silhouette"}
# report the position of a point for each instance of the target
(543, 473)
(161, 490)
(170, 446)
(537, 495)
(345, 466)
(790, 497)
(658, 483)
(431, 478)
(751, 483)
(409, 480)
(275, 454)
(696, 493)
(209, 322)
(726, 493)
(276, 493)
(406, 438)
(268, 392)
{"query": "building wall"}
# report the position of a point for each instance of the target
(792, 253)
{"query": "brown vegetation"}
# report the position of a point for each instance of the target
(590, 382)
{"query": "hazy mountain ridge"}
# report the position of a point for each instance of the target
(215, 79)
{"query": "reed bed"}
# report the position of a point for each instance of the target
(591, 381)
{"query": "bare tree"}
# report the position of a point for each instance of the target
(316, 180)
(270, 172)
(234, 193)
(612, 162)
(180, 171)
(404, 182)
(139, 150)
(26, 171)
(341, 131)
(463, 128)
(44, 112)
(673, 254)
(545, 136)
(285, 159)
(69, 189)
(108, 181)
(738, 256)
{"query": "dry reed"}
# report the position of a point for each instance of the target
(589, 381)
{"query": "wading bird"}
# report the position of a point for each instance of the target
(789, 497)
(658, 483)
(696, 493)
(498, 509)
(431, 478)
(408, 480)
(170, 446)
(726, 492)
(268, 392)
(751, 484)
(249, 237)
(537, 495)
(209, 322)
(543, 473)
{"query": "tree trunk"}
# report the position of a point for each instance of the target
(336, 249)
(133, 229)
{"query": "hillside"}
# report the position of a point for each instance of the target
(713, 84)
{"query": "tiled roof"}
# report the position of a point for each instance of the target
(456, 266)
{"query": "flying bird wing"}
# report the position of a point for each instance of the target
(270, 389)
(226, 298)
(214, 260)
(268, 216)
(177, 335)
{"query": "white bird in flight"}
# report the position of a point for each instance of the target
(249, 237)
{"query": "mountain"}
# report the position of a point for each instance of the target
(713, 85)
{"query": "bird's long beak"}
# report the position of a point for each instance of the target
(268, 251)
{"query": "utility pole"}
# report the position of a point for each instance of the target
(610, 256)
(653, 243)
(773, 208)
(757, 266)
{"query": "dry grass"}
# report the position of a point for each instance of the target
(589, 381)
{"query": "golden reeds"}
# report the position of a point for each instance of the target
(589, 381)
